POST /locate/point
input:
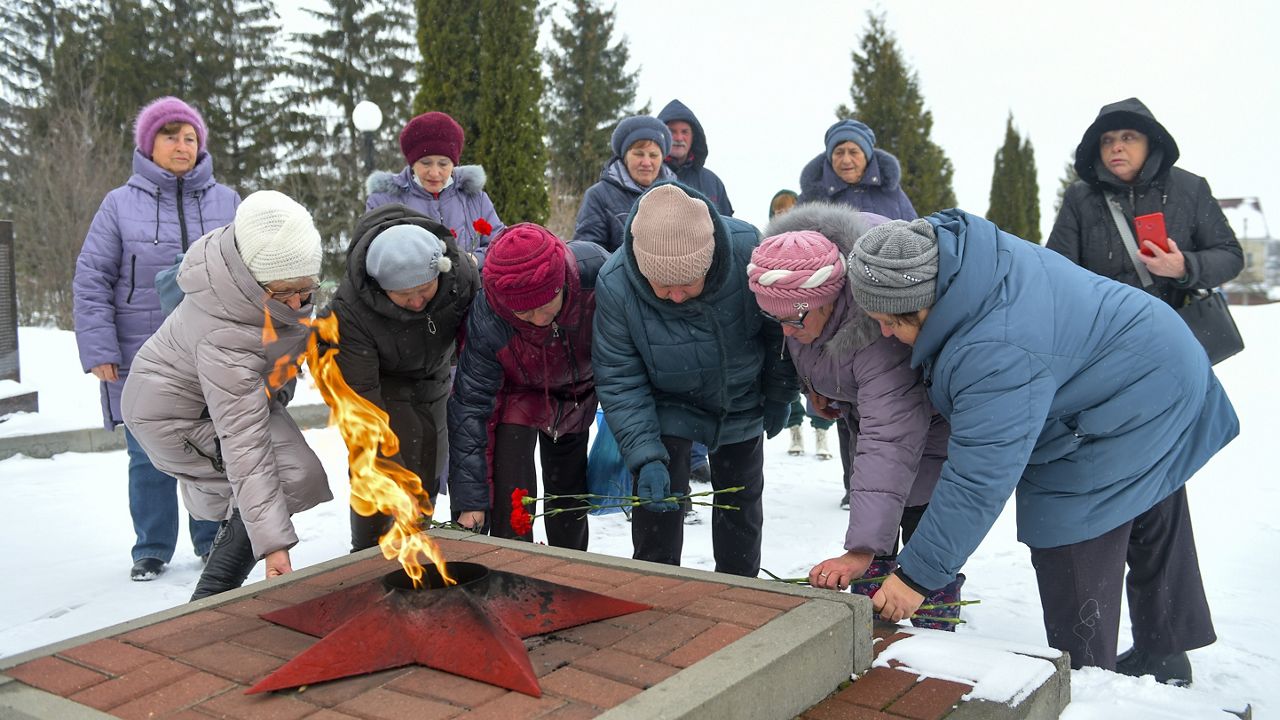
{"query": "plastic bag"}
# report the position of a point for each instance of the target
(606, 473)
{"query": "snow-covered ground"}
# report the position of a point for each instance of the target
(65, 536)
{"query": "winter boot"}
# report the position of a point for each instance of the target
(230, 560)
(146, 569)
(1168, 669)
(820, 449)
(797, 441)
(941, 618)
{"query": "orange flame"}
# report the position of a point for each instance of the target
(268, 332)
(378, 485)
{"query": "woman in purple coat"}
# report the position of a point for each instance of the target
(170, 201)
(434, 184)
(850, 370)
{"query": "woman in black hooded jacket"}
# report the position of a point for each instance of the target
(1126, 154)
(400, 311)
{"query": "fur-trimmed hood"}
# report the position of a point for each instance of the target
(820, 179)
(469, 179)
(841, 225)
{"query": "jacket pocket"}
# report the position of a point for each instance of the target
(133, 277)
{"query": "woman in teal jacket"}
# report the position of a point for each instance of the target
(1091, 398)
(682, 355)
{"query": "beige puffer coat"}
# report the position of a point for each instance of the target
(197, 400)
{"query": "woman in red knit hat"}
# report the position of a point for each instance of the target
(434, 184)
(525, 378)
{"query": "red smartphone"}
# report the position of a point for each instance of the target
(1151, 227)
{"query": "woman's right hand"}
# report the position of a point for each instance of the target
(106, 372)
(822, 406)
(472, 519)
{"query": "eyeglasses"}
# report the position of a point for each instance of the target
(284, 295)
(797, 323)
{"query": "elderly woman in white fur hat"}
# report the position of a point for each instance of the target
(198, 399)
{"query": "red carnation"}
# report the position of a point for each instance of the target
(482, 226)
(521, 520)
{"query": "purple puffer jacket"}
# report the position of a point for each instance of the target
(140, 229)
(902, 440)
(457, 206)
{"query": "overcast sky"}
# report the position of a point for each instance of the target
(764, 78)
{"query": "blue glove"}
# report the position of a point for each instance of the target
(654, 485)
(776, 414)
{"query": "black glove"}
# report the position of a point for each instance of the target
(654, 486)
(776, 414)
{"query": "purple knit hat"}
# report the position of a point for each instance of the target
(161, 112)
(794, 269)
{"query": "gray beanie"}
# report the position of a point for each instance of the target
(640, 127)
(406, 256)
(893, 268)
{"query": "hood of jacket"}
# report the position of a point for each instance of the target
(842, 225)
(676, 110)
(820, 179)
(151, 178)
(1131, 113)
(361, 286)
(214, 278)
(467, 179)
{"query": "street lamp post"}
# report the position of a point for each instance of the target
(367, 117)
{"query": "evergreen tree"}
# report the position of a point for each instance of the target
(363, 52)
(886, 96)
(510, 143)
(589, 91)
(449, 46)
(1015, 192)
(1069, 177)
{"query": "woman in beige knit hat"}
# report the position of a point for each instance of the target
(198, 399)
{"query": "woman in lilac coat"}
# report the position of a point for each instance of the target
(850, 370)
(434, 184)
(170, 201)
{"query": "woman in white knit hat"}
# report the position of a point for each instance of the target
(198, 399)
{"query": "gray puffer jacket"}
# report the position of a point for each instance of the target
(198, 402)
(901, 439)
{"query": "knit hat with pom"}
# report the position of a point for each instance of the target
(161, 112)
(276, 237)
(795, 271)
(433, 133)
(406, 256)
(673, 236)
(524, 268)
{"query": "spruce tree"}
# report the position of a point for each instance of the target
(886, 96)
(449, 45)
(510, 143)
(1015, 192)
(589, 91)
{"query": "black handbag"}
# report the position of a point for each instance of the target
(1210, 320)
(1205, 312)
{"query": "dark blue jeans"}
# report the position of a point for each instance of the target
(153, 503)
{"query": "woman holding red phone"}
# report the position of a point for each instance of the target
(1127, 157)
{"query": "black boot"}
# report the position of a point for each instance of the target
(1168, 669)
(365, 531)
(230, 560)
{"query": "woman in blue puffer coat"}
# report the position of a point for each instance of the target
(434, 184)
(1090, 398)
(170, 201)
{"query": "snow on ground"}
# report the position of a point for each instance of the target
(65, 536)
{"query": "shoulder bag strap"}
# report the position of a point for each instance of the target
(1126, 235)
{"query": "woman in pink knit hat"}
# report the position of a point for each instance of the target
(525, 379)
(849, 370)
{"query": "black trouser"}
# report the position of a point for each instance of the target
(1080, 588)
(564, 472)
(416, 426)
(735, 534)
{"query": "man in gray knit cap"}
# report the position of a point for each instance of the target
(681, 355)
(1056, 383)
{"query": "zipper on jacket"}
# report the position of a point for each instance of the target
(133, 277)
(215, 460)
(182, 217)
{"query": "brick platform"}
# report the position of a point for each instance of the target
(700, 652)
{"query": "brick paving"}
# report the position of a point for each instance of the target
(198, 665)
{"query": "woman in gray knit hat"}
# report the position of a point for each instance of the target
(1056, 383)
